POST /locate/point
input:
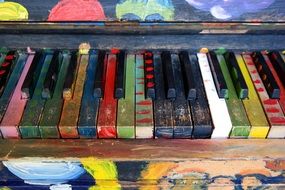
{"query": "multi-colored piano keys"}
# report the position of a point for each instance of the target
(147, 94)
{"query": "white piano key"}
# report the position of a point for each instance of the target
(218, 107)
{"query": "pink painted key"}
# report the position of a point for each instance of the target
(12, 117)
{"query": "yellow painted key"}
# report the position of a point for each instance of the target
(252, 105)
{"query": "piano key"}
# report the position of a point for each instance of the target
(252, 105)
(126, 106)
(71, 77)
(163, 120)
(168, 75)
(187, 75)
(32, 114)
(281, 101)
(52, 74)
(15, 109)
(272, 109)
(218, 107)
(201, 115)
(119, 85)
(6, 69)
(149, 75)
(217, 74)
(236, 75)
(87, 123)
(12, 82)
(278, 64)
(52, 110)
(106, 125)
(71, 107)
(182, 121)
(144, 107)
(240, 122)
(100, 75)
(33, 74)
(266, 76)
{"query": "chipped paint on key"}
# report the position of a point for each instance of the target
(144, 111)
(271, 107)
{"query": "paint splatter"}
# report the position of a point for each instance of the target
(77, 10)
(149, 10)
(103, 171)
(227, 9)
(10, 11)
(54, 171)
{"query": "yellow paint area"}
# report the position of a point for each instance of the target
(103, 171)
(252, 105)
(155, 171)
(10, 11)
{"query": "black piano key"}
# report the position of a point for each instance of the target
(266, 76)
(220, 82)
(278, 64)
(32, 76)
(149, 75)
(187, 72)
(182, 121)
(163, 121)
(168, 75)
(120, 75)
(52, 74)
(71, 75)
(199, 108)
(5, 69)
(236, 75)
(99, 75)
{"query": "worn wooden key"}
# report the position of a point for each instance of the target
(106, 126)
(266, 76)
(15, 109)
(12, 82)
(31, 116)
(240, 122)
(71, 106)
(201, 116)
(120, 74)
(168, 75)
(278, 64)
(100, 75)
(52, 110)
(163, 120)
(126, 105)
(87, 123)
(144, 106)
(187, 71)
(236, 75)
(252, 105)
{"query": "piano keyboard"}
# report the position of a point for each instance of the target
(160, 94)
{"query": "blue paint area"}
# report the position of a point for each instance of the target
(89, 104)
(131, 17)
(182, 132)
(8, 179)
(164, 132)
(154, 17)
(222, 9)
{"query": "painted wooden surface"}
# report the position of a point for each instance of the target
(166, 10)
(240, 123)
(252, 105)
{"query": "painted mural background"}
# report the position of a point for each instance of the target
(149, 10)
(92, 174)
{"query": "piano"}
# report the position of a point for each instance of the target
(132, 94)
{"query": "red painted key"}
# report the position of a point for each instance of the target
(108, 106)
